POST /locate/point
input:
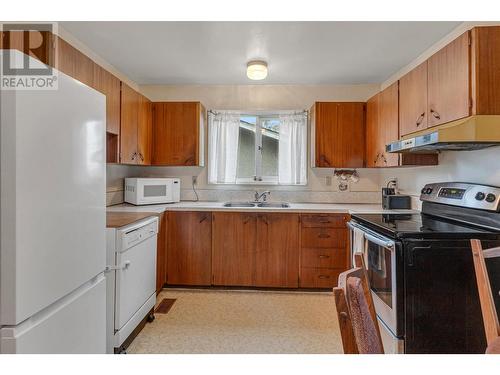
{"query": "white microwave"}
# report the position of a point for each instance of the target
(141, 191)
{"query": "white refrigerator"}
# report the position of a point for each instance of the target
(52, 222)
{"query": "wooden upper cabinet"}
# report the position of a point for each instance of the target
(388, 130)
(178, 133)
(128, 127)
(109, 85)
(335, 125)
(144, 131)
(189, 248)
(485, 68)
(372, 131)
(277, 252)
(448, 82)
(233, 242)
(413, 114)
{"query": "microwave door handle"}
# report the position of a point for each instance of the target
(379, 241)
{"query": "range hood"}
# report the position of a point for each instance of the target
(470, 133)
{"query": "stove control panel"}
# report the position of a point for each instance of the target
(463, 194)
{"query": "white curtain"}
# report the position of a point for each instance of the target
(223, 130)
(293, 149)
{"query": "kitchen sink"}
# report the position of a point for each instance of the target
(255, 204)
(273, 205)
(239, 204)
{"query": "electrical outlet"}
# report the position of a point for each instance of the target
(328, 180)
(195, 180)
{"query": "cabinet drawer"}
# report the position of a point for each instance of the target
(323, 258)
(319, 277)
(323, 237)
(325, 221)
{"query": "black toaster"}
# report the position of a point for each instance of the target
(396, 202)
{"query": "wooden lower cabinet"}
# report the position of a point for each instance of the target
(189, 248)
(233, 241)
(161, 253)
(277, 253)
(253, 249)
(324, 250)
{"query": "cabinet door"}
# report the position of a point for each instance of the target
(189, 248)
(234, 235)
(128, 126)
(176, 133)
(144, 131)
(351, 131)
(326, 134)
(388, 124)
(161, 253)
(372, 131)
(413, 100)
(109, 85)
(448, 82)
(336, 125)
(277, 255)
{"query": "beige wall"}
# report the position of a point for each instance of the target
(259, 97)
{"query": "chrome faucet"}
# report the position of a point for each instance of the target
(262, 195)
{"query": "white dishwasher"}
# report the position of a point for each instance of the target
(130, 279)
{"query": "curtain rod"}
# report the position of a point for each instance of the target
(302, 112)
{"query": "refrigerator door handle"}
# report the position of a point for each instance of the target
(118, 268)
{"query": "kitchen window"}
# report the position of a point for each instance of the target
(257, 148)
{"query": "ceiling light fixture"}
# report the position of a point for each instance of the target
(257, 70)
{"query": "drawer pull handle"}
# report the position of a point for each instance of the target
(323, 277)
(325, 221)
(322, 235)
(324, 256)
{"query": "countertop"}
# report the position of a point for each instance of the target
(351, 208)
(117, 219)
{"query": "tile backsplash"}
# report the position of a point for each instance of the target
(321, 188)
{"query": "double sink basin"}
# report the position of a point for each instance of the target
(256, 204)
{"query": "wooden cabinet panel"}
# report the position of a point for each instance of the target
(277, 253)
(323, 258)
(327, 140)
(335, 126)
(128, 126)
(176, 133)
(324, 220)
(388, 129)
(485, 67)
(323, 237)
(66, 57)
(351, 122)
(189, 248)
(319, 277)
(161, 253)
(109, 85)
(234, 236)
(413, 114)
(144, 131)
(372, 131)
(448, 82)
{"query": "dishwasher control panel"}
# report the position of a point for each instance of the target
(135, 233)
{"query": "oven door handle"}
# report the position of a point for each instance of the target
(380, 241)
(371, 236)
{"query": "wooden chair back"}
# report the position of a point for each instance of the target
(342, 305)
(490, 316)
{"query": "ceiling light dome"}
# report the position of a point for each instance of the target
(256, 70)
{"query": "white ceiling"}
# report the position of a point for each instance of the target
(296, 52)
